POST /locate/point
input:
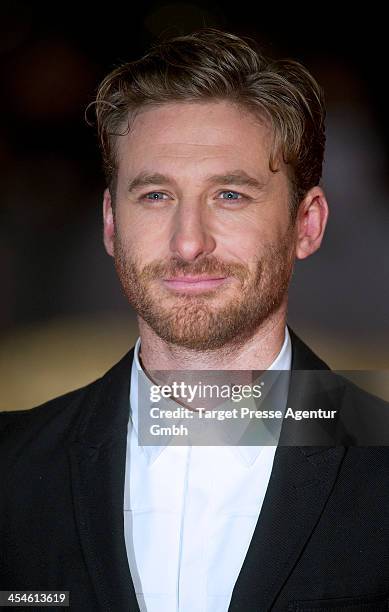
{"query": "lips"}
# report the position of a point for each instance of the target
(194, 284)
(193, 279)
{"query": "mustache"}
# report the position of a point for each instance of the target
(210, 266)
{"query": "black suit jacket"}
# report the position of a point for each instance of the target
(321, 541)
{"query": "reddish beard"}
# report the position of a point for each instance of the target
(201, 322)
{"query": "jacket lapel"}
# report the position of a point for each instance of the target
(301, 481)
(299, 486)
(97, 459)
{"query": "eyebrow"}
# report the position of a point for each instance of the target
(235, 177)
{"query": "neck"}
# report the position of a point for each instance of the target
(255, 354)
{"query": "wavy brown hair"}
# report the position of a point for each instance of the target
(213, 65)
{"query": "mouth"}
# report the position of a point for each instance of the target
(194, 284)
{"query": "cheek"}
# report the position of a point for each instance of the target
(138, 219)
(142, 239)
(241, 248)
(245, 238)
(259, 222)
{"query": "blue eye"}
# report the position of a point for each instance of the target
(153, 194)
(231, 195)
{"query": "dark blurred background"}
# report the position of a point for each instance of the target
(63, 319)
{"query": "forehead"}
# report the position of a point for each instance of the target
(197, 136)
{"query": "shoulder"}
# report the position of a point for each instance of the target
(51, 417)
(364, 416)
(62, 417)
(303, 357)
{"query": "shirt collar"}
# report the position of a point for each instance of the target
(247, 454)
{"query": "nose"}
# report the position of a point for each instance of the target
(191, 236)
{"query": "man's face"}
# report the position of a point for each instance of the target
(196, 199)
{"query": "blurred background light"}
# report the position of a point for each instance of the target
(63, 318)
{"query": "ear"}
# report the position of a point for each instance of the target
(109, 224)
(311, 222)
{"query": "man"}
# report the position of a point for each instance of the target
(213, 157)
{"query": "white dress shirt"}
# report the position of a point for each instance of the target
(190, 513)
